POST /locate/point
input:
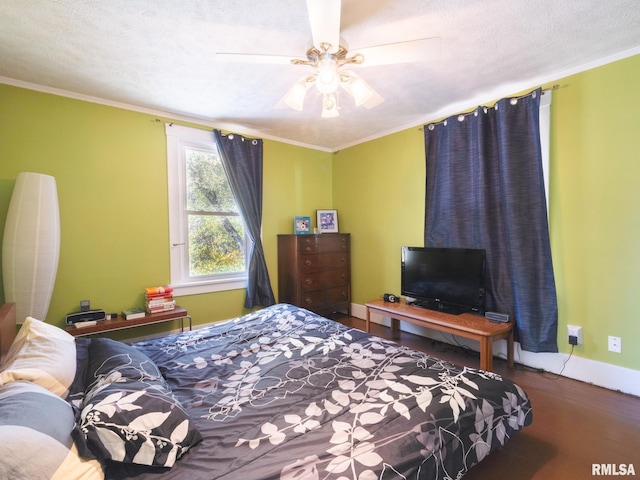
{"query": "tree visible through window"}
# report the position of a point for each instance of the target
(216, 233)
(208, 242)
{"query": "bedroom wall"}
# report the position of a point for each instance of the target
(110, 169)
(594, 197)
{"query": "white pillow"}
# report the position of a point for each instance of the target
(43, 354)
(36, 430)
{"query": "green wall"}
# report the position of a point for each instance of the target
(595, 224)
(380, 195)
(379, 189)
(110, 169)
(110, 165)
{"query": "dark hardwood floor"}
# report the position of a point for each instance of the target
(575, 425)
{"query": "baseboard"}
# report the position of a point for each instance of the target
(602, 374)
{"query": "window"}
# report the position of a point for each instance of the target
(545, 129)
(208, 244)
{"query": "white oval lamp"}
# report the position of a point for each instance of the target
(31, 245)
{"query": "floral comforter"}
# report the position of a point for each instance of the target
(283, 393)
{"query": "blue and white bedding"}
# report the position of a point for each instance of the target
(285, 394)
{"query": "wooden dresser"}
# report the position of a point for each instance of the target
(314, 271)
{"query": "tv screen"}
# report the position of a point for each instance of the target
(446, 279)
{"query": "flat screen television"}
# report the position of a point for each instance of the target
(446, 279)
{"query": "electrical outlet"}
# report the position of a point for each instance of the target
(575, 331)
(615, 344)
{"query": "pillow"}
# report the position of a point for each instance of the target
(43, 354)
(35, 427)
(129, 414)
(78, 386)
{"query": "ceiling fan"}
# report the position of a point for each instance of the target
(330, 61)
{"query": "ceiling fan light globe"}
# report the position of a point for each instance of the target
(360, 91)
(295, 97)
(328, 79)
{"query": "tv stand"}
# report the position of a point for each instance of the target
(465, 325)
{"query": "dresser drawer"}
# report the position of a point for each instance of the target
(323, 243)
(312, 300)
(324, 261)
(337, 295)
(322, 280)
(320, 299)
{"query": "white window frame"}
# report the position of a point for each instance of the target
(545, 132)
(180, 138)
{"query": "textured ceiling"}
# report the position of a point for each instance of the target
(159, 55)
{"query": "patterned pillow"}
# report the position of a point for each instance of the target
(128, 413)
(35, 428)
(78, 386)
(41, 353)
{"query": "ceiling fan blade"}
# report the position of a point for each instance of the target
(421, 50)
(324, 17)
(252, 58)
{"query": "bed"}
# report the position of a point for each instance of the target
(280, 393)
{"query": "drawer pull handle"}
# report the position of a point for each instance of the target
(308, 281)
(307, 262)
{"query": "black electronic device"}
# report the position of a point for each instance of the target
(497, 317)
(391, 298)
(445, 279)
(85, 305)
(88, 316)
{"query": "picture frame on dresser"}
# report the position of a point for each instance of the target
(327, 221)
(301, 225)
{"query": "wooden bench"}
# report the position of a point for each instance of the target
(465, 325)
(119, 323)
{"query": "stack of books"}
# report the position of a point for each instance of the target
(159, 299)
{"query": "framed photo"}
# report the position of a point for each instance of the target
(301, 225)
(327, 221)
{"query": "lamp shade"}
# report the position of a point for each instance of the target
(295, 97)
(31, 245)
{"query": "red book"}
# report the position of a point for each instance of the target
(157, 290)
(159, 296)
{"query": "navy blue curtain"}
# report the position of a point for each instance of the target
(242, 161)
(485, 189)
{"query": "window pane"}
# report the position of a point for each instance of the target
(208, 189)
(203, 216)
(216, 245)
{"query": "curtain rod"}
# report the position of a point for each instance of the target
(230, 135)
(474, 112)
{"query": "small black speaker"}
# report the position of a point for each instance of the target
(88, 316)
(391, 298)
(497, 317)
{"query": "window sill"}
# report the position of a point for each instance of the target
(197, 288)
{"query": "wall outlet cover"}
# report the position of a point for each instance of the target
(576, 331)
(615, 344)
